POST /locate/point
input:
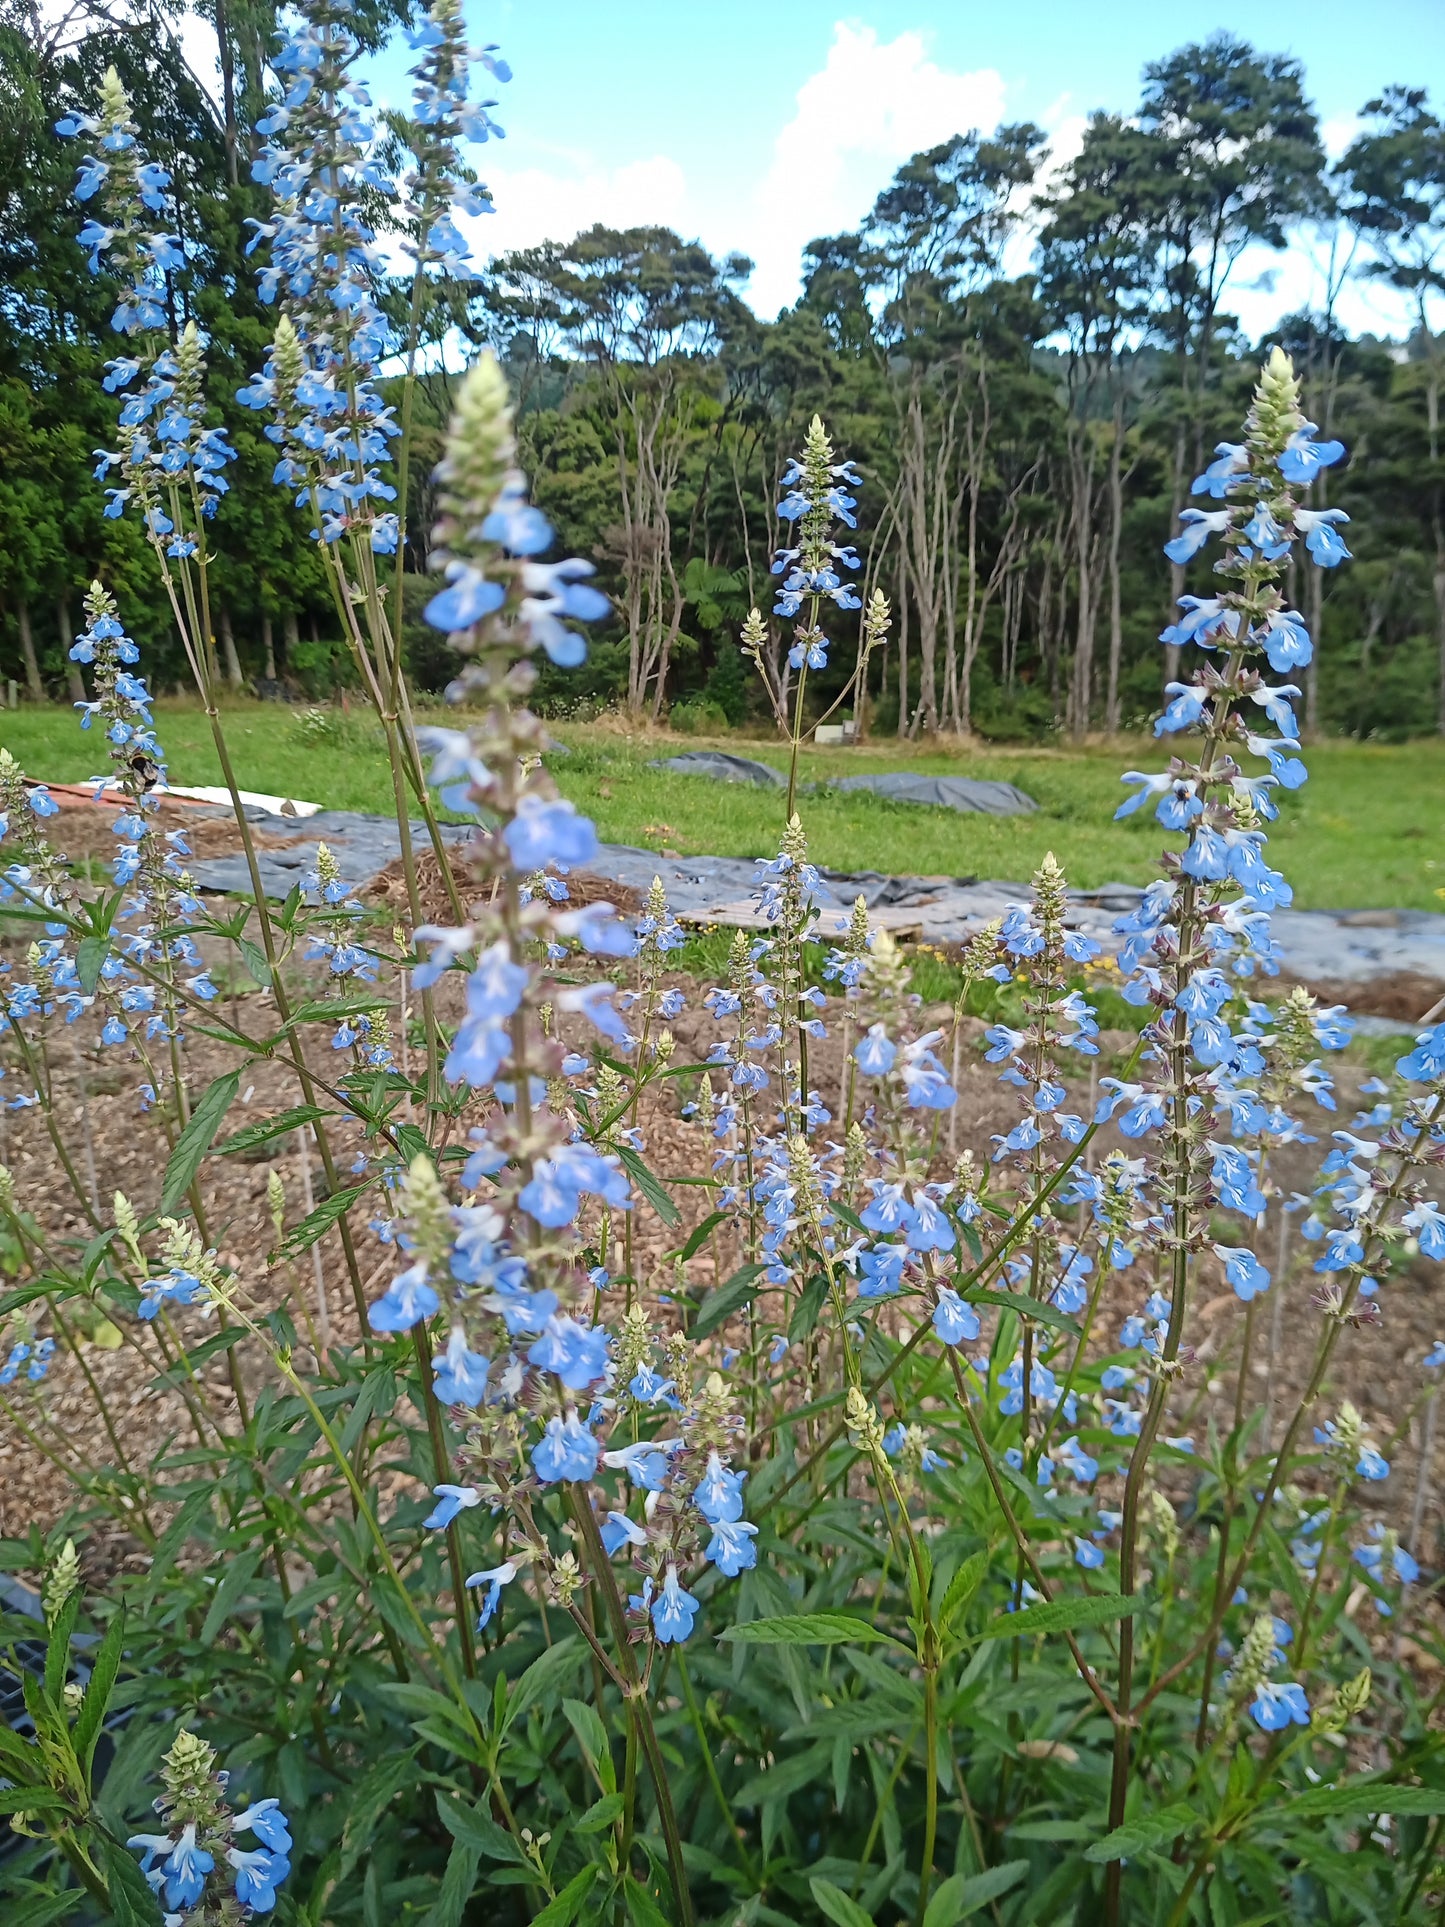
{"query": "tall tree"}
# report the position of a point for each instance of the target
(1095, 282)
(1395, 175)
(1237, 159)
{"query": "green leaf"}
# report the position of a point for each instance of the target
(332, 1010)
(456, 1888)
(39, 1910)
(240, 1571)
(808, 1308)
(317, 1223)
(90, 955)
(254, 959)
(478, 1830)
(1365, 1796)
(837, 1906)
(57, 1651)
(368, 1800)
(698, 1238)
(963, 1895)
(586, 1723)
(411, 1142)
(963, 1585)
(1145, 1830)
(730, 1296)
(32, 1799)
(546, 1673)
(812, 1629)
(642, 1909)
(600, 1814)
(1062, 1615)
(195, 1140)
(255, 1135)
(131, 1900)
(98, 1690)
(649, 1186)
(568, 1904)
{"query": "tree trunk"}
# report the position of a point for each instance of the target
(27, 652)
(1082, 681)
(902, 729)
(228, 90)
(1176, 569)
(228, 650)
(1315, 623)
(268, 650)
(291, 636)
(1116, 530)
(75, 682)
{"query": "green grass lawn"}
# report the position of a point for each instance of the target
(1367, 831)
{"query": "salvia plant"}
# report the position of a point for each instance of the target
(829, 1520)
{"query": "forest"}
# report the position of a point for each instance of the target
(1026, 439)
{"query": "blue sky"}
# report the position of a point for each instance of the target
(756, 124)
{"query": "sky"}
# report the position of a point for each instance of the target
(757, 124)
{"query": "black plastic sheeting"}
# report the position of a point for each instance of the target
(362, 845)
(723, 768)
(1316, 945)
(969, 793)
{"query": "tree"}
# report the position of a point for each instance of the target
(1095, 276)
(645, 311)
(1395, 176)
(1235, 159)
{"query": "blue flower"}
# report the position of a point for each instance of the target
(258, 1875)
(544, 832)
(553, 1194)
(718, 1495)
(1199, 525)
(265, 1819)
(1287, 641)
(619, 1531)
(1243, 1271)
(882, 1267)
(1231, 460)
(731, 1547)
(469, 598)
(42, 803)
(567, 1450)
(1184, 711)
(405, 1302)
(494, 1578)
(576, 1354)
(1427, 1060)
(184, 1870)
(673, 1611)
(1276, 1706)
(953, 1320)
(644, 1463)
(1302, 458)
(1321, 538)
(1428, 1224)
(1264, 534)
(874, 1054)
(452, 1500)
(461, 1374)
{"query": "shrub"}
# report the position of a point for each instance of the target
(699, 717)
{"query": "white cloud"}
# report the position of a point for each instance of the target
(542, 204)
(869, 107)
